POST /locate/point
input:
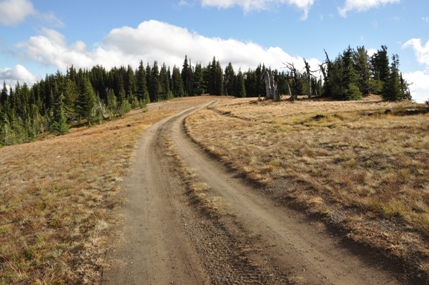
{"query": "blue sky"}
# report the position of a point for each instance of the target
(42, 36)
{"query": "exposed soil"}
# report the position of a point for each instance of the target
(168, 239)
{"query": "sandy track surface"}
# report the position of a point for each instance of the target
(168, 240)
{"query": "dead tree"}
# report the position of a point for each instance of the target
(294, 78)
(271, 88)
(309, 75)
(267, 80)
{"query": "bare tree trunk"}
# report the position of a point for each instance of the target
(268, 93)
(307, 68)
(292, 98)
(105, 117)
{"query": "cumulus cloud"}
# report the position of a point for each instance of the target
(150, 41)
(14, 12)
(363, 5)
(419, 85)
(422, 52)
(249, 5)
(17, 74)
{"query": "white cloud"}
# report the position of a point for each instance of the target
(422, 52)
(371, 52)
(15, 11)
(420, 85)
(249, 5)
(150, 41)
(363, 5)
(17, 74)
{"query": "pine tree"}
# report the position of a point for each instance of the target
(177, 81)
(3, 95)
(351, 91)
(164, 81)
(154, 86)
(392, 89)
(362, 67)
(130, 85)
(380, 70)
(85, 103)
(187, 77)
(216, 78)
(240, 89)
(149, 82)
(142, 92)
(59, 123)
(112, 103)
(230, 80)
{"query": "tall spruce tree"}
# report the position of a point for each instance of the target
(154, 87)
(177, 81)
(3, 95)
(240, 88)
(59, 121)
(392, 89)
(230, 80)
(142, 91)
(362, 67)
(351, 90)
(85, 102)
(199, 84)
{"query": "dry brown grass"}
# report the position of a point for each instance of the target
(58, 198)
(363, 169)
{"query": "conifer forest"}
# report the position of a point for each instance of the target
(90, 96)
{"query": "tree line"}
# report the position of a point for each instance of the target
(88, 96)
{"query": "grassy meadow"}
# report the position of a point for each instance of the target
(59, 198)
(359, 166)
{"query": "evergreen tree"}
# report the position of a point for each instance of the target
(164, 81)
(216, 78)
(3, 95)
(392, 89)
(154, 86)
(380, 70)
(230, 83)
(362, 67)
(112, 103)
(85, 102)
(177, 81)
(59, 123)
(187, 77)
(240, 89)
(351, 90)
(250, 83)
(199, 84)
(142, 91)
(149, 82)
(130, 85)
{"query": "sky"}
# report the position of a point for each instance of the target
(39, 37)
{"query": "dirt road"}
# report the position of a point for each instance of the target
(168, 239)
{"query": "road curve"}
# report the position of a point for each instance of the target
(167, 240)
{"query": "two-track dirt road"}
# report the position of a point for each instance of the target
(168, 240)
